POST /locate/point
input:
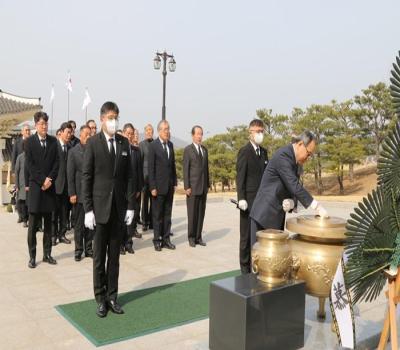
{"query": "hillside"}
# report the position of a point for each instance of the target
(365, 180)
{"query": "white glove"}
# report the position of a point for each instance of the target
(129, 217)
(90, 221)
(321, 211)
(243, 205)
(287, 204)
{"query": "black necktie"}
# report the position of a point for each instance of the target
(43, 142)
(258, 151)
(200, 154)
(112, 152)
(165, 148)
(65, 151)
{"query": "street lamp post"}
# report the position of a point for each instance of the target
(171, 66)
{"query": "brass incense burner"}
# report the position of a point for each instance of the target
(316, 252)
(312, 255)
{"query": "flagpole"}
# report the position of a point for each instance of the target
(68, 105)
(86, 115)
(52, 115)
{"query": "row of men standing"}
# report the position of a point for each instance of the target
(98, 177)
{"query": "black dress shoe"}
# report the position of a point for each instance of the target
(192, 243)
(130, 250)
(115, 307)
(157, 246)
(171, 233)
(32, 263)
(122, 250)
(63, 239)
(137, 234)
(167, 244)
(49, 259)
(19, 220)
(25, 224)
(201, 242)
(78, 257)
(89, 254)
(144, 228)
(101, 310)
(53, 241)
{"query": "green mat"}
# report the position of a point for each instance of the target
(146, 311)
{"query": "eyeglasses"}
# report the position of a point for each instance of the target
(309, 154)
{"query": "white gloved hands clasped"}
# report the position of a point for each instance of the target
(90, 221)
(287, 204)
(321, 211)
(129, 217)
(243, 205)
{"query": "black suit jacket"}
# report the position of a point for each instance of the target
(280, 181)
(137, 170)
(74, 171)
(16, 151)
(101, 183)
(39, 164)
(195, 170)
(144, 151)
(74, 141)
(249, 171)
(162, 170)
(61, 182)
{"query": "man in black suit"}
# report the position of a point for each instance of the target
(73, 140)
(196, 183)
(251, 162)
(108, 201)
(16, 151)
(147, 220)
(162, 183)
(41, 159)
(137, 173)
(60, 216)
(82, 235)
(281, 188)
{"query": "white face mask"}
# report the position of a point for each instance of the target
(258, 138)
(111, 126)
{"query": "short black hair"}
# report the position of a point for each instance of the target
(83, 127)
(256, 122)
(40, 115)
(90, 121)
(73, 124)
(128, 126)
(109, 107)
(58, 130)
(65, 125)
(194, 128)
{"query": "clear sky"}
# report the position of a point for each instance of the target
(233, 57)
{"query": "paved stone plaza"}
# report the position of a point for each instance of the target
(28, 319)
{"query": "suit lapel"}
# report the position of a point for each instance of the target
(119, 150)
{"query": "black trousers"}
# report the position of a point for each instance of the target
(107, 241)
(60, 217)
(147, 215)
(196, 208)
(34, 220)
(82, 235)
(22, 210)
(245, 236)
(162, 210)
(136, 216)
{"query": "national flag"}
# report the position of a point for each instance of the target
(87, 100)
(69, 82)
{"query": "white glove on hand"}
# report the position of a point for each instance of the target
(90, 221)
(287, 204)
(321, 211)
(243, 205)
(129, 217)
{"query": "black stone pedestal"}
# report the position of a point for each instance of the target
(246, 314)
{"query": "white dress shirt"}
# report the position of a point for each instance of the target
(166, 144)
(108, 137)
